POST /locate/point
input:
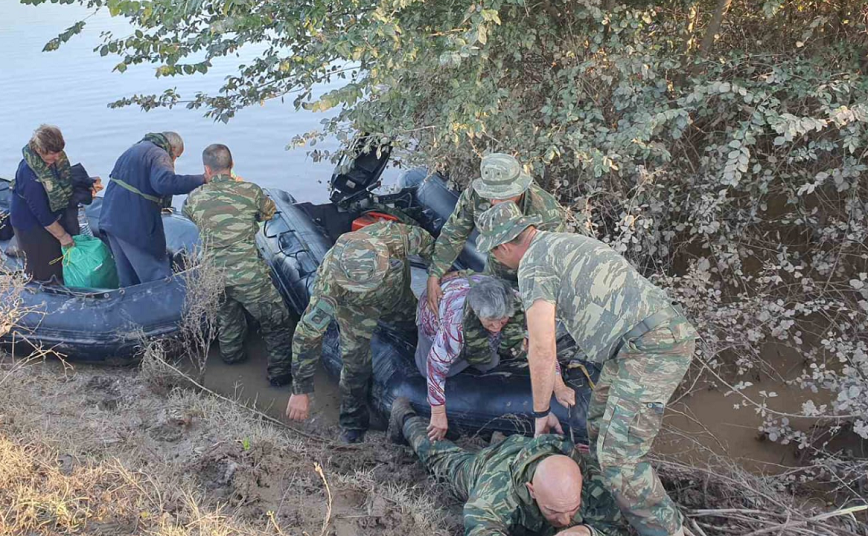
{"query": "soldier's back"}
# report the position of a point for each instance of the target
(227, 214)
(599, 294)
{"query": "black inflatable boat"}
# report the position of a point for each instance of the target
(294, 243)
(98, 325)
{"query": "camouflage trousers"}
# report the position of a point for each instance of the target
(446, 460)
(356, 326)
(626, 413)
(262, 302)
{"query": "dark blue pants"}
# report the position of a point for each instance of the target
(135, 265)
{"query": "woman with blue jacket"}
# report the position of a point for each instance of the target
(41, 194)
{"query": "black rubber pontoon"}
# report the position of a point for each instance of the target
(96, 325)
(294, 244)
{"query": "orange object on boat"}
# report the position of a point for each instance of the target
(370, 218)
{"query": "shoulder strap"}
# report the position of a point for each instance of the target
(136, 191)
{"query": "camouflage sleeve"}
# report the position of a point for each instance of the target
(488, 513)
(266, 207)
(554, 215)
(419, 242)
(453, 235)
(536, 281)
(188, 209)
(514, 332)
(307, 340)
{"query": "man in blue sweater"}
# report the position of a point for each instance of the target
(143, 182)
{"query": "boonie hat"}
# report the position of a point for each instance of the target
(502, 223)
(502, 177)
(362, 261)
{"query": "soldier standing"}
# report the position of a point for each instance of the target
(620, 320)
(542, 486)
(227, 212)
(502, 179)
(364, 277)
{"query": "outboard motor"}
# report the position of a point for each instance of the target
(355, 178)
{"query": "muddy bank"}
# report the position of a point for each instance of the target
(701, 423)
(187, 447)
(247, 382)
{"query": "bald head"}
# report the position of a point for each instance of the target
(557, 489)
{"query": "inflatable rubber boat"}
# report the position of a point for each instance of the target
(97, 325)
(294, 243)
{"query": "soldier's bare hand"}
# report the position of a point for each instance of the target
(565, 395)
(435, 293)
(298, 408)
(547, 425)
(439, 423)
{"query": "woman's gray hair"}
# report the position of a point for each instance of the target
(175, 141)
(491, 299)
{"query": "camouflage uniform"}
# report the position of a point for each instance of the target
(492, 482)
(607, 307)
(357, 307)
(471, 204)
(226, 212)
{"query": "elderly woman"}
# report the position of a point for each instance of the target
(42, 192)
(477, 321)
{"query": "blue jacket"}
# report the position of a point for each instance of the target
(131, 217)
(29, 201)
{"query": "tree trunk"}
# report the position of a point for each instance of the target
(713, 28)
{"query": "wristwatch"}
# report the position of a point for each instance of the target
(542, 414)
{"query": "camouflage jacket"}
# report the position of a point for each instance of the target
(598, 294)
(500, 503)
(462, 222)
(227, 213)
(329, 300)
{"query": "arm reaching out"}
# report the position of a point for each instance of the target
(542, 358)
(453, 235)
(307, 345)
(166, 182)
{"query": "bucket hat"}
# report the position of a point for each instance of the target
(502, 223)
(502, 177)
(362, 261)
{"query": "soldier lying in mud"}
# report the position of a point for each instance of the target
(520, 486)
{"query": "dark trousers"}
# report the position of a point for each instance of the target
(135, 265)
(42, 255)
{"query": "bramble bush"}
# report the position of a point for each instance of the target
(722, 142)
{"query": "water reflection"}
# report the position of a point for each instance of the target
(71, 88)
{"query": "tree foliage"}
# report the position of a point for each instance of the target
(723, 141)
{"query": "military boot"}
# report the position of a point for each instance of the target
(401, 411)
(279, 380)
(352, 436)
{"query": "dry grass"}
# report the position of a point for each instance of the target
(204, 286)
(91, 452)
(723, 499)
(11, 309)
(39, 495)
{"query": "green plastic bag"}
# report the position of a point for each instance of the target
(89, 264)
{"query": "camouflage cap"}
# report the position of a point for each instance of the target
(502, 177)
(362, 261)
(500, 224)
